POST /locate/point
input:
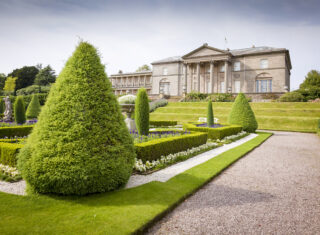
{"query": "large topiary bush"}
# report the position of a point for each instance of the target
(80, 143)
(210, 118)
(33, 109)
(142, 112)
(242, 114)
(19, 111)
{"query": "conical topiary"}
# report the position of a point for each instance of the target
(80, 143)
(2, 106)
(242, 114)
(210, 120)
(142, 112)
(19, 111)
(33, 109)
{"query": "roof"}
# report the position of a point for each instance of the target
(254, 50)
(168, 60)
(132, 73)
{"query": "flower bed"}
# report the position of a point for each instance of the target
(9, 174)
(164, 161)
(214, 133)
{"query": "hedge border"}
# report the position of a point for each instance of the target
(163, 123)
(214, 133)
(13, 131)
(8, 153)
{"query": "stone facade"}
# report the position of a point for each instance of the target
(255, 71)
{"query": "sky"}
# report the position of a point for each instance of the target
(129, 34)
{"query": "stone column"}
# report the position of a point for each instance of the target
(226, 74)
(185, 86)
(198, 77)
(126, 81)
(144, 81)
(211, 77)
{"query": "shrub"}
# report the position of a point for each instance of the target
(195, 97)
(142, 112)
(27, 98)
(19, 111)
(163, 123)
(221, 97)
(293, 96)
(127, 99)
(2, 106)
(33, 89)
(8, 155)
(242, 114)
(156, 104)
(154, 149)
(15, 131)
(33, 109)
(80, 143)
(210, 120)
(214, 133)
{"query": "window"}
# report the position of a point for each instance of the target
(222, 68)
(236, 66)
(222, 87)
(237, 86)
(165, 71)
(263, 86)
(264, 64)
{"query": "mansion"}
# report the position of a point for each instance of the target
(254, 71)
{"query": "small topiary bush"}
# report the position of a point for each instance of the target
(33, 109)
(19, 111)
(142, 112)
(8, 153)
(210, 118)
(80, 144)
(2, 106)
(154, 149)
(293, 96)
(242, 114)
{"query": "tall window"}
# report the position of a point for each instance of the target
(165, 71)
(263, 86)
(264, 64)
(222, 68)
(236, 66)
(237, 86)
(222, 87)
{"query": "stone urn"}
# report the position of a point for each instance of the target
(128, 110)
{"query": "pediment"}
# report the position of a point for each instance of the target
(204, 50)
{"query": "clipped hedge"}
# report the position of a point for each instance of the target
(163, 123)
(154, 149)
(13, 131)
(8, 153)
(214, 133)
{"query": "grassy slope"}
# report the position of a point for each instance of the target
(272, 116)
(120, 212)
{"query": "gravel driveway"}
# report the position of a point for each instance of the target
(273, 190)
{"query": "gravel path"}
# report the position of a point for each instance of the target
(273, 190)
(14, 188)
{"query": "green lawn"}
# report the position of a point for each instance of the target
(270, 116)
(120, 212)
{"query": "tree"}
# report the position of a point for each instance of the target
(142, 112)
(45, 76)
(2, 80)
(34, 107)
(310, 88)
(80, 144)
(19, 110)
(142, 68)
(242, 114)
(210, 118)
(10, 85)
(25, 76)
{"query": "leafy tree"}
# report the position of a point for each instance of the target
(45, 76)
(142, 112)
(33, 89)
(142, 68)
(242, 114)
(210, 120)
(2, 80)
(34, 108)
(80, 144)
(293, 96)
(10, 85)
(19, 110)
(310, 88)
(25, 76)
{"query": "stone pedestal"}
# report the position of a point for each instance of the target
(128, 110)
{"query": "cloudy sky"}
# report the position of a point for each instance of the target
(131, 33)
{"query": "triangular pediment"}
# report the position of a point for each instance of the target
(204, 50)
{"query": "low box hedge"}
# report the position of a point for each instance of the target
(13, 131)
(214, 133)
(154, 149)
(8, 153)
(163, 123)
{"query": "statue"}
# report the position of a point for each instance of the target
(8, 110)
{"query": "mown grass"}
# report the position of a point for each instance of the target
(270, 116)
(120, 212)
